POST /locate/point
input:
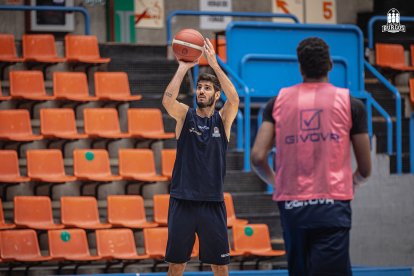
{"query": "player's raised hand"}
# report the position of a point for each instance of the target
(209, 53)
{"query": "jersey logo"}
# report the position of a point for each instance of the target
(195, 131)
(203, 127)
(216, 132)
(310, 119)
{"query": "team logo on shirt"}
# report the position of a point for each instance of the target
(193, 130)
(203, 127)
(310, 125)
(216, 132)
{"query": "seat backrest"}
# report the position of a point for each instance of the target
(1, 213)
(251, 237)
(70, 83)
(39, 45)
(167, 161)
(9, 164)
(8, 47)
(68, 243)
(161, 203)
(89, 162)
(32, 210)
(81, 46)
(145, 120)
(45, 162)
(110, 83)
(389, 54)
(15, 122)
(125, 208)
(79, 209)
(133, 161)
(101, 120)
(57, 121)
(27, 83)
(155, 240)
(20, 243)
(412, 91)
(115, 242)
(228, 200)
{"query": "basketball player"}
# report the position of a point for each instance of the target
(196, 202)
(313, 125)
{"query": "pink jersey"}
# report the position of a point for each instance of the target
(313, 160)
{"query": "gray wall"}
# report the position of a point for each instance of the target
(13, 22)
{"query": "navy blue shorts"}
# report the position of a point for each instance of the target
(206, 218)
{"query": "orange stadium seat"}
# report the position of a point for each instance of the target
(412, 91)
(70, 245)
(167, 161)
(93, 165)
(83, 49)
(2, 97)
(254, 239)
(15, 125)
(138, 164)
(21, 246)
(156, 242)
(231, 215)
(81, 212)
(71, 86)
(59, 123)
(9, 169)
(117, 244)
(28, 85)
(3, 224)
(146, 123)
(40, 48)
(113, 86)
(47, 166)
(161, 203)
(103, 123)
(34, 212)
(8, 55)
(127, 211)
(391, 56)
(8, 49)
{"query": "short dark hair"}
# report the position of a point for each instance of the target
(211, 78)
(314, 58)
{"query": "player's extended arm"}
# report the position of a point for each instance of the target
(230, 108)
(361, 145)
(264, 142)
(174, 108)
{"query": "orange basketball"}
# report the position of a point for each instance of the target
(188, 45)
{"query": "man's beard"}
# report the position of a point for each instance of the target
(205, 104)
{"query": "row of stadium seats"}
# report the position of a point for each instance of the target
(90, 165)
(41, 48)
(392, 56)
(127, 211)
(60, 123)
(120, 244)
(70, 86)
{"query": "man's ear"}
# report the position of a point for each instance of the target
(330, 64)
(217, 95)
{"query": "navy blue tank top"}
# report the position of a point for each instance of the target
(200, 164)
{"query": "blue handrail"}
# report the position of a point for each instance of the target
(378, 18)
(412, 143)
(397, 95)
(214, 13)
(239, 142)
(52, 8)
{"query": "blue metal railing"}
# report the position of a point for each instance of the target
(214, 13)
(52, 8)
(374, 19)
(412, 143)
(398, 115)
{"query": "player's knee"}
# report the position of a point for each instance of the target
(176, 269)
(219, 269)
